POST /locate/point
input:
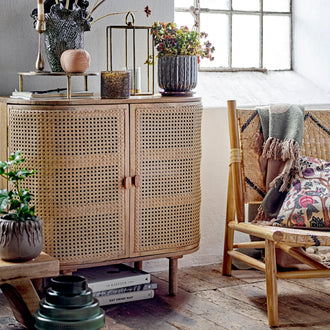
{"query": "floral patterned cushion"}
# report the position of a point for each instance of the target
(307, 204)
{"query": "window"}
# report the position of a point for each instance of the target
(247, 34)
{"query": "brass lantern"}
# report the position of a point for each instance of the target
(141, 64)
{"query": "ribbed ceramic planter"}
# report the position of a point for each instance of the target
(69, 304)
(177, 73)
(20, 241)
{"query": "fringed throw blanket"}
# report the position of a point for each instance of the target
(278, 143)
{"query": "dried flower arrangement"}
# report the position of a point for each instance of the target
(173, 41)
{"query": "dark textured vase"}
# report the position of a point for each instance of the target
(64, 30)
(177, 73)
(20, 241)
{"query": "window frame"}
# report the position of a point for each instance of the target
(196, 10)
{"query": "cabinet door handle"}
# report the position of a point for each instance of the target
(127, 182)
(137, 181)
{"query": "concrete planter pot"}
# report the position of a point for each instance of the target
(20, 241)
(177, 73)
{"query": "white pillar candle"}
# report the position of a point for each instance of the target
(137, 80)
(41, 15)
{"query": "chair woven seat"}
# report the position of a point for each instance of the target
(301, 237)
(246, 186)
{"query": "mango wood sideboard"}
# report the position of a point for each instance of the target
(117, 180)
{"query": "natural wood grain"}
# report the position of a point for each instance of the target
(131, 141)
(16, 302)
(243, 125)
(173, 276)
(138, 265)
(304, 273)
(207, 300)
(298, 306)
(86, 101)
(15, 282)
(271, 283)
(236, 166)
(248, 260)
(229, 233)
(250, 245)
(300, 255)
(99, 146)
(28, 293)
(42, 266)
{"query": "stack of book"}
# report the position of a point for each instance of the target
(118, 284)
(58, 93)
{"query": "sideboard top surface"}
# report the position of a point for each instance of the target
(99, 101)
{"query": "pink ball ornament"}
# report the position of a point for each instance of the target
(75, 60)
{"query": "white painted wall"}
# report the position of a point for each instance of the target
(311, 49)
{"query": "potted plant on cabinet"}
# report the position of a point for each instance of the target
(21, 235)
(179, 52)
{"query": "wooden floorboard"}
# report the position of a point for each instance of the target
(207, 300)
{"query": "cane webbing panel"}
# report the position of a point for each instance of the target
(79, 155)
(168, 155)
(316, 143)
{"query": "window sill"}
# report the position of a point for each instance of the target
(256, 88)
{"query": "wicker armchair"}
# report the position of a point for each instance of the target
(244, 187)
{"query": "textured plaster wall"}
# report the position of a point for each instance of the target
(311, 49)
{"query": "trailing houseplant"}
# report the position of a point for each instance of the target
(20, 229)
(179, 52)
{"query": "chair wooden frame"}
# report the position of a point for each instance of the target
(286, 239)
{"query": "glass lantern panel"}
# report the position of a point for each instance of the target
(184, 19)
(276, 42)
(183, 3)
(215, 4)
(216, 26)
(245, 42)
(246, 5)
(278, 5)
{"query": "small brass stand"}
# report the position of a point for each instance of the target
(41, 28)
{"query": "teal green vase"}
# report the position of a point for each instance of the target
(69, 305)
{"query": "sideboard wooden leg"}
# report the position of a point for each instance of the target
(68, 270)
(138, 265)
(173, 276)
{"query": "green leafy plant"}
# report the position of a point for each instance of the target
(173, 41)
(15, 203)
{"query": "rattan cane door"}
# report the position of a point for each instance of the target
(165, 205)
(81, 157)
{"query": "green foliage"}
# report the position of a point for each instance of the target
(14, 203)
(170, 40)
